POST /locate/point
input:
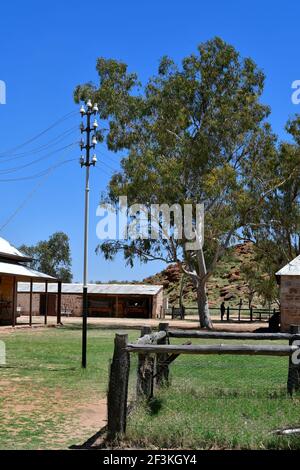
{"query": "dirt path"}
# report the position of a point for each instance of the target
(126, 323)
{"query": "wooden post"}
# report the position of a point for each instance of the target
(30, 303)
(117, 306)
(293, 382)
(162, 367)
(46, 306)
(58, 313)
(228, 313)
(145, 371)
(118, 388)
(251, 313)
(14, 303)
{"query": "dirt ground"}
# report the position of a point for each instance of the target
(124, 323)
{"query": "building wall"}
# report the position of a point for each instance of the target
(72, 303)
(6, 295)
(23, 301)
(157, 305)
(289, 301)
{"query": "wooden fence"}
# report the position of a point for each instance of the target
(155, 354)
(230, 314)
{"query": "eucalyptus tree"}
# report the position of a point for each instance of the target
(196, 132)
(275, 231)
(52, 256)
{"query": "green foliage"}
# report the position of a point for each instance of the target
(197, 132)
(261, 284)
(276, 229)
(52, 256)
(194, 133)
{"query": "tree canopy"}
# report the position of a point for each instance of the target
(52, 256)
(194, 133)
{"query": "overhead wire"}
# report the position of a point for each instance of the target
(6, 153)
(33, 162)
(30, 195)
(36, 150)
(37, 175)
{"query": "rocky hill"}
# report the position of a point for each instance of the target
(228, 282)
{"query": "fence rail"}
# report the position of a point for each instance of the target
(231, 335)
(155, 354)
(242, 349)
(230, 314)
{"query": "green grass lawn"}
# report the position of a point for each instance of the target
(46, 399)
(219, 402)
(48, 402)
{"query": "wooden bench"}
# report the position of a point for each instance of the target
(66, 312)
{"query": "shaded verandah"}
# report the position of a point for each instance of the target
(17, 273)
(13, 269)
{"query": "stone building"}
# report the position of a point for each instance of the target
(288, 279)
(13, 269)
(104, 300)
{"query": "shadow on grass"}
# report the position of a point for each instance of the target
(154, 406)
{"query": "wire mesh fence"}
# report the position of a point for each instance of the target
(215, 400)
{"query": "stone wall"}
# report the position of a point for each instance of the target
(23, 301)
(157, 305)
(289, 301)
(72, 304)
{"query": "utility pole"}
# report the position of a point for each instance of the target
(86, 161)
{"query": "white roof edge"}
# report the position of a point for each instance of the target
(290, 269)
(108, 289)
(7, 249)
(19, 270)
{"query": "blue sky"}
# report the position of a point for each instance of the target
(47, 48)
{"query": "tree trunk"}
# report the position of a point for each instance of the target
(181, 290)
(203, 308)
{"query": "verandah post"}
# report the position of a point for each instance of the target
(46, 304)
(118, 388)
(30, 303)
(58, 313)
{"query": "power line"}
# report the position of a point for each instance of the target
(33, 162)
(108, 166)
(22, 205)
(50, 143)
(37, 175)
(104, 171)
(6, 153)
(30, 195)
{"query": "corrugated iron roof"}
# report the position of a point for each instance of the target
(290, 269)
(108, 289)
(8, 250)
(19, 270)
